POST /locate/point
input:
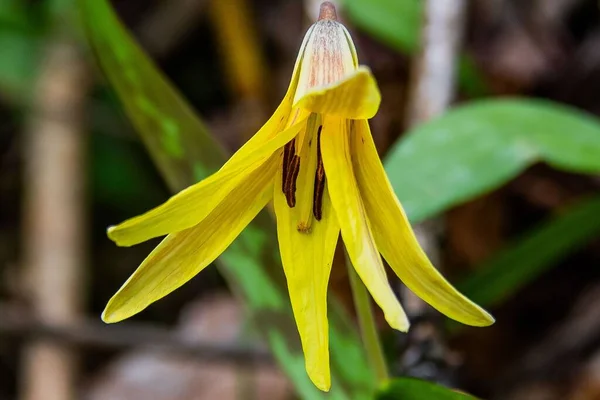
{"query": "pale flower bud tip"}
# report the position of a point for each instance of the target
(327, 11)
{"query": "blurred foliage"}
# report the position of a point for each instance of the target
(118, 173)
(185, 152)
(416, 389)
(531, 255)
(20, 36)
(166, 123)
(476, 148)
(398, 25)
(395, 23)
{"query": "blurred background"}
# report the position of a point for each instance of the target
(520, 234)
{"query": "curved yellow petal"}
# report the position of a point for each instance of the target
(354, 97)
(307, 257)
(190, 206)
(353, 221)
(180, 256)
(396, 240)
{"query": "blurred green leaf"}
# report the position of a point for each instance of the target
(13, 14)
(119, 177)
(416, 389)
(397, 23)
(184, 152)
(472, 82)
(19, 41)
(165, 122)
(478, 147)
(18, 64)
(533, 254)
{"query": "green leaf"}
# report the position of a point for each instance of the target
(18, 64)
(117, 178)
(19, 41)
(184, 152)
(530, 256)
(478, 147)
(416, 389)
(395, 23)
(166, 123)
(13, 13)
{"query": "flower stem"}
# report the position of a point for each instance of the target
(366, 322)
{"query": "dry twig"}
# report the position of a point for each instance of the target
(54, 239)
(95, 334)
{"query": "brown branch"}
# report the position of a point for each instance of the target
(15, 324)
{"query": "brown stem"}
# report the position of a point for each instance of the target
(54, 228)
(91, 333)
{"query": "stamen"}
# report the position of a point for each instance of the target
(319, 181)
(288, 152)
(303, 183)
(290, 181)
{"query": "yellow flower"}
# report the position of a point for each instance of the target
(315, 158)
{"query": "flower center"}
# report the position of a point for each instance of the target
(303, 178)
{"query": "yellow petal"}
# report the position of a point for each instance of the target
(307, 258)
(356, 96)
(190, 206)
(351, 216)
(396, 240)
(180, 256)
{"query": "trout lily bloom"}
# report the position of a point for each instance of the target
(316, 160)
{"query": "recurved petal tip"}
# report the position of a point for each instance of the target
(107, 317)
(113, 232)
(486, 319)
(356, 96)
(110, 230)
(114, 313)
(327, 11)
(398, 321)
(321, 379)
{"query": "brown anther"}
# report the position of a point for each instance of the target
(289, 182)
(288, 152)
(293, 177)
(291, 167)
(327, 11)
(319, 181)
